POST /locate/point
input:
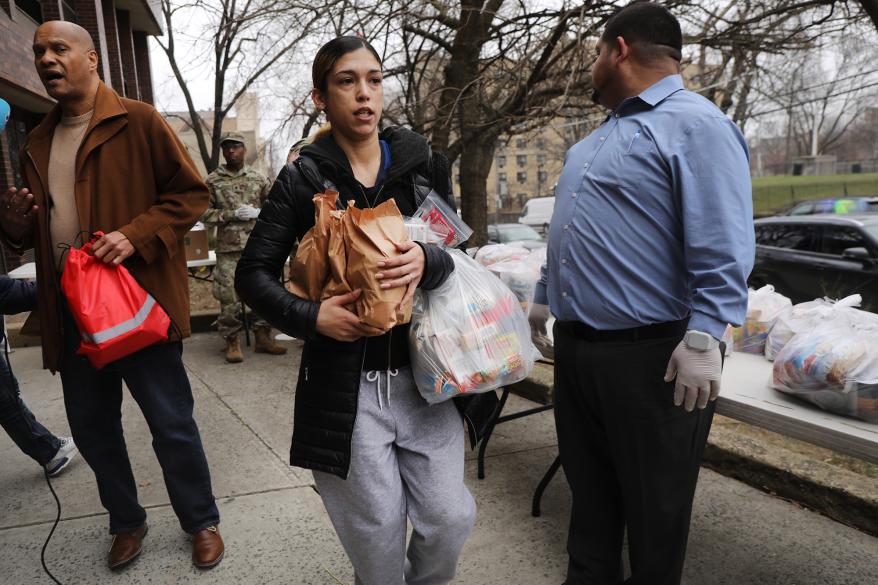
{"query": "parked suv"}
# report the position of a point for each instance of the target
(808, 257)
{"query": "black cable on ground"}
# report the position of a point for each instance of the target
(51, 532)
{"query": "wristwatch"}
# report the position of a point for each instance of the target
(700, 340)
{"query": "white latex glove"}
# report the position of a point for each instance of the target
(538, 316)
(698, 375)
(246, 213)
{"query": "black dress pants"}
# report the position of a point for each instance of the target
(630, 456)
(157, 380)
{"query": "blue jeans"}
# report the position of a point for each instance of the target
(157, 380)
(19, 423)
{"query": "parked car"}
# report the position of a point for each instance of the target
(515, 233)
(808, 257)
(841, 205)
(537, 213)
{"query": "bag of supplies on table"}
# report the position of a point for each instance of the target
(116, 317)
(763, 307)
(834, 365)
(469, 335)
(804, 317)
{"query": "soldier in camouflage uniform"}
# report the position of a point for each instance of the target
(237, 191)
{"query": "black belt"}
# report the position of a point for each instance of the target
(584, 332)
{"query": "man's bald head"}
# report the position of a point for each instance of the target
(70, 31)
(66, 60)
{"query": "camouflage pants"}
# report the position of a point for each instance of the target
(229, 322)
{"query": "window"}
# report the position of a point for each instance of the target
(765, 235)
(796, 237)
(522, 199)
(542, 176)
(501, 177)
(838, 239)
(541, 159)
(804, 209)
(32, 8)
(521, 160)
(521, 143)
(501, 161)
(521, 177)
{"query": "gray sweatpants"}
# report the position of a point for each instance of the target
(406, 460)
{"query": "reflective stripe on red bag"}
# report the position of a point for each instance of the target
(122, 328)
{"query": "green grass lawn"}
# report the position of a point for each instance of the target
(774, 193)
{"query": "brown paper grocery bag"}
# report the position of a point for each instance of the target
(369, 238)
(337, 283)
(310, 267)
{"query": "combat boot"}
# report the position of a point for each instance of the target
(233, 350)
(265, 344)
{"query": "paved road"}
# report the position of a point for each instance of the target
(277, 532)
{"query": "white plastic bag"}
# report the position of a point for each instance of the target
(469, 335)
(521, 276)
(763, 307)
(804, 317)
(494, 253)
(834, 365)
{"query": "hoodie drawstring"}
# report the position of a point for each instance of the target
(375, 376)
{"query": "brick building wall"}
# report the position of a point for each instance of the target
(90, 16)
(144, 71)
(17, 62)
(51, 10)
(126, 52)
(114, 58)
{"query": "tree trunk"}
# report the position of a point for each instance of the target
(476, 159)
(871, 8)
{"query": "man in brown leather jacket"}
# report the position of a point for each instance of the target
(100, 162)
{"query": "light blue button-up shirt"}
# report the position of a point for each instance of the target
(653, 218)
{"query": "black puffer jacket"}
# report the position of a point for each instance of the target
(329, 376)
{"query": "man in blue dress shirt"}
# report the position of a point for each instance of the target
(650, 248)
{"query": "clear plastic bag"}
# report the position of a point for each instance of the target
(418, 230)
(469, 335)
(443, 220)
(835, 366)
(763, 307)
(521, 276)
(804, 317)
(494, 253)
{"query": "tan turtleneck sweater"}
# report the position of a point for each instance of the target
(63, 216)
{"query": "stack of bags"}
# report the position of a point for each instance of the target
(827, 353)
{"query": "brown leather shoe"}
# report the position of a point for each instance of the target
(207, 548)
(126, 547)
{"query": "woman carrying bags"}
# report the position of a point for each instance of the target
(380, 454)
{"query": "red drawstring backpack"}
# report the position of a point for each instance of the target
(115, 315)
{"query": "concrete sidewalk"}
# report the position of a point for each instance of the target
(277, 532)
